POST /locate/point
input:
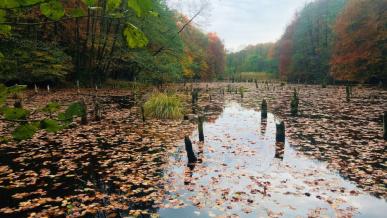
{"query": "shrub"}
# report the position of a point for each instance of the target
(163, 106)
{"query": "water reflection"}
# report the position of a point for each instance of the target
(244, 172)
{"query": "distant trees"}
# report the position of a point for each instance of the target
(257, 58)
(360, 50)
(306, 47)
(327, 40)
(205, 55)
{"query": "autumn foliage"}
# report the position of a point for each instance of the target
(361, 36)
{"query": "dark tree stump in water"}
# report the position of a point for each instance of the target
(190, 153)
(264, 109)
(280, 132)
(200, 128)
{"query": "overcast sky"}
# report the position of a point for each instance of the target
(242, 22)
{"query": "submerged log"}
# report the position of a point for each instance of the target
(190, 153)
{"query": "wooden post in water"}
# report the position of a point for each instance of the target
(84, 112)
(256, 84)
(200, 128)
(280, 132)
(264, 109)
(48, 88)
(97, 110)
(294, 104)
(143, 114)
(36, 89)
(188, 148)
(385, 125)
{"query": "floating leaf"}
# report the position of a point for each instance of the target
(53, 10)
(135, 38)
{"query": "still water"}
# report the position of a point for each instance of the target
(242, 173)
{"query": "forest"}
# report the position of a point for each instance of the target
(139, 109)
(54, 42)
(340, 40)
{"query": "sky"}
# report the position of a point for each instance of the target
(242, 22)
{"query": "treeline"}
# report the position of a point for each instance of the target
(257, 58)
(59, 41)
(328, 40)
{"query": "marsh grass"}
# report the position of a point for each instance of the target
(163, 106)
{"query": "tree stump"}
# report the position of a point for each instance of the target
(84, 112)
(200, 128)
(280, 132)
(190, 153)
(294, 104)
(264, 109)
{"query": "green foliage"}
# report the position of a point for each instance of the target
(6, 91)
(113, 4)
(89, 3)
(135, 38)
(33, 62)
(50, 125)
(76, 109)
(258, 58)
(25, 131)
(141, 7)
(4, 29)
(15, 113)
(163, 106)
(51, 107)
(312, 41)
(77, 12)
(52, 9)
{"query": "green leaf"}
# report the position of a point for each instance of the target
(24, 132)
(141, 7)
(51, 107)
(76, 109)
(15, 113)
(53, 10)
(77, 12)
(16, 89)
(113, 4)
(9, 4)
(50, 125)
(4, 29)
(89, 3)
(135, 38)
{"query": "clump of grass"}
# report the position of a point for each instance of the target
(163, 106)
